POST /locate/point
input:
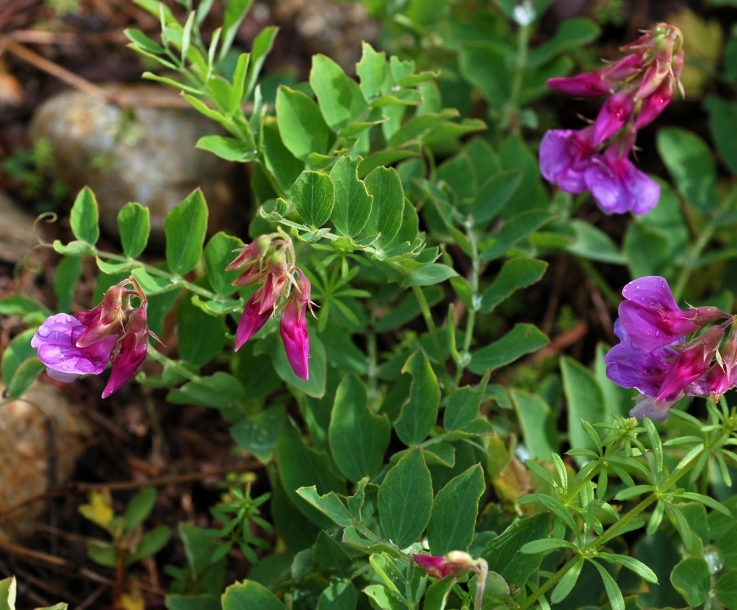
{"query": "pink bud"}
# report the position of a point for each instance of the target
(104, 320)
(588, 84)
(293, 328)
(615, 112)
(250, 253)
(653, 105)
(251, 321)
(132, 351)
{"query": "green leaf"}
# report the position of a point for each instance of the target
(436, 596)
(221, 390)
(405, 500)
(690, 162)
(8, 591)
(201, 336)
(565, 585)
(65, 281)
(329, 504)
(692, 580)
(420, 411)
(219, 253)
(419, 126)
(205, 601)
(616, 601)
(513, 230)
(648, 251)
(24, 376)
(521, 340)
(515, 154)
(338, 596)
(371, 71)
(428, 275)
(585, 400)
(313, 195)
(250, 595)
(502, 553)
(284, 166)
(340, 97)
(592, 243)
(259, 433)
(185, 227)
(18, 351)
(545, 545)
(134, 226)
(493, 195)
(302, 128)
(17, 305)
(484, 66)
(383, 598)
(726, 589)
(454, 512)
(139, 508)
(723, 127)
(538, 424)
(260, 49)
(353, 202)
(301, 466)
(385, 218)
(358, 438)
(84, 217)
(633, 564)
(234, 14)
(230, 149)
(515, 274)
(571, 34)
(151, 543)
(463, 406)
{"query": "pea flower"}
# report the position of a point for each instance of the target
(596, 158)
(454, 564)
(268, 262)
(84, 344)
(656, 356)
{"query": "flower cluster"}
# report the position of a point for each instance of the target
(269, 262)
(596, 158)
(655, 355)
(85, 343)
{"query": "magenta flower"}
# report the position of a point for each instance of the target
(132, 351)
(452, 564)
(71, 346)
(618, 186)
(293, 330)
(631, 366)
(596, 158)
(252, 320)
(655, 357)
(565, 155)
(652, 318)
(56, 342)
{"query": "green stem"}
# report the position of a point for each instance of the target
(620, 524)
(473, 246)
(427, 314)
(174, 365)
(694, 253)
(611, 296)
(523, 44)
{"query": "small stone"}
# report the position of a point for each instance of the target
(144, 153)
(28, 455)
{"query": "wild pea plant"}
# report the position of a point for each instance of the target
(401, 473)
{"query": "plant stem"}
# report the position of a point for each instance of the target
(523, 43)
(172, 364)
(694, 253)
(611, 296)
(427, 314)
(473, 245)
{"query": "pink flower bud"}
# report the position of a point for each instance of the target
(653, 105)
(615, 112)
(588, 84)
(251, 321)
(250, 253)
(293, 328)
(106, 319)
(132, 352)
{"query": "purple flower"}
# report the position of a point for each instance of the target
(631, 366)
(618, 186)
(648, 406)
(613, 115)
(564, 157)
(652, 318)
(56, 342)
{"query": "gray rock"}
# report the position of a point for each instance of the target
(135, 153)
